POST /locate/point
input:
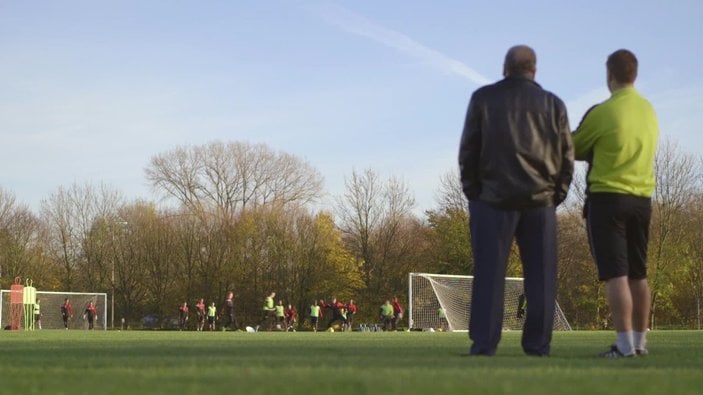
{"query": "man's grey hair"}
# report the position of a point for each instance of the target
(520, 60)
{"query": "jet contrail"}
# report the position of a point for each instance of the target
(357, 24)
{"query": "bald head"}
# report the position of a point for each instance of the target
(520, 61)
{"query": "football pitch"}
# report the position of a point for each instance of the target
(135, 362)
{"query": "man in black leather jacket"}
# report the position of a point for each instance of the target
(516, 162)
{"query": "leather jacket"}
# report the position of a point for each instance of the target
(516, 150)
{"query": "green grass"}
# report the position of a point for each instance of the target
(82, 362)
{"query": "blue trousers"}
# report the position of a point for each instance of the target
(492, 233)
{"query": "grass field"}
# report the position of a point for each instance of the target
(82, 362)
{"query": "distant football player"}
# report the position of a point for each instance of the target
(387, 316)
(201, 314)
(269, 311)
(315, 312)
(37, 314)
(291, 317)
(336, 308)
(280, 316)
(351, 312)
(91, 314)
(182, 316)
(397, 313)
(66, 312)
(211, 316)
(228, 312)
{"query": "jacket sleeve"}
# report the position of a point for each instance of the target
(585, 136)
(567, 155)
(470, 151)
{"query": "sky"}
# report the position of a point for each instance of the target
(91, 90)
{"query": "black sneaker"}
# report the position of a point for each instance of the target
(614, 353)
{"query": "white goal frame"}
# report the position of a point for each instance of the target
(425, 315)
(50, 307)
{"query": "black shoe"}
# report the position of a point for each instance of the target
(614, 353)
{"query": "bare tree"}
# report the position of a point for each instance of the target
(8, 202)
(224, 178)
(392, 235)
(70, 214)
(371, 215)
(676, 187)
(450, 195)
(576, 198)
(693, 262)
(360, 212)
(20, 250)
(176, 174)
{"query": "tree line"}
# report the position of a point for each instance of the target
(243, 217)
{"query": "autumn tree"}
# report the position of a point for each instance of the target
(449, 228)
(20, 243)
(678, 245)
(676, 188)
(580, 294)
(325, 268)
(690, 297)
(70, 213)
(375, 217)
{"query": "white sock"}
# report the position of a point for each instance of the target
(625, 343)
(640, 340)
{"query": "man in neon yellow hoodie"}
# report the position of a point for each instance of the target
(619, 138)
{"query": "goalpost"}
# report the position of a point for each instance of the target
(51, 302)
(428, 293)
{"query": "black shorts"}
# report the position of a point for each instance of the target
(313, 320)
(618, 232)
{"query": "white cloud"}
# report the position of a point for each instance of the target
(354, 23)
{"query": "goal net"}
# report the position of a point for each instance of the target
(428, 293)
(50, 309)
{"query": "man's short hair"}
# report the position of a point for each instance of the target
(622, 65)
(520, 60)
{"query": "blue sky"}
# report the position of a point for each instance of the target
(90, 91)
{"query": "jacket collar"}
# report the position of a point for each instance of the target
(520, 79)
